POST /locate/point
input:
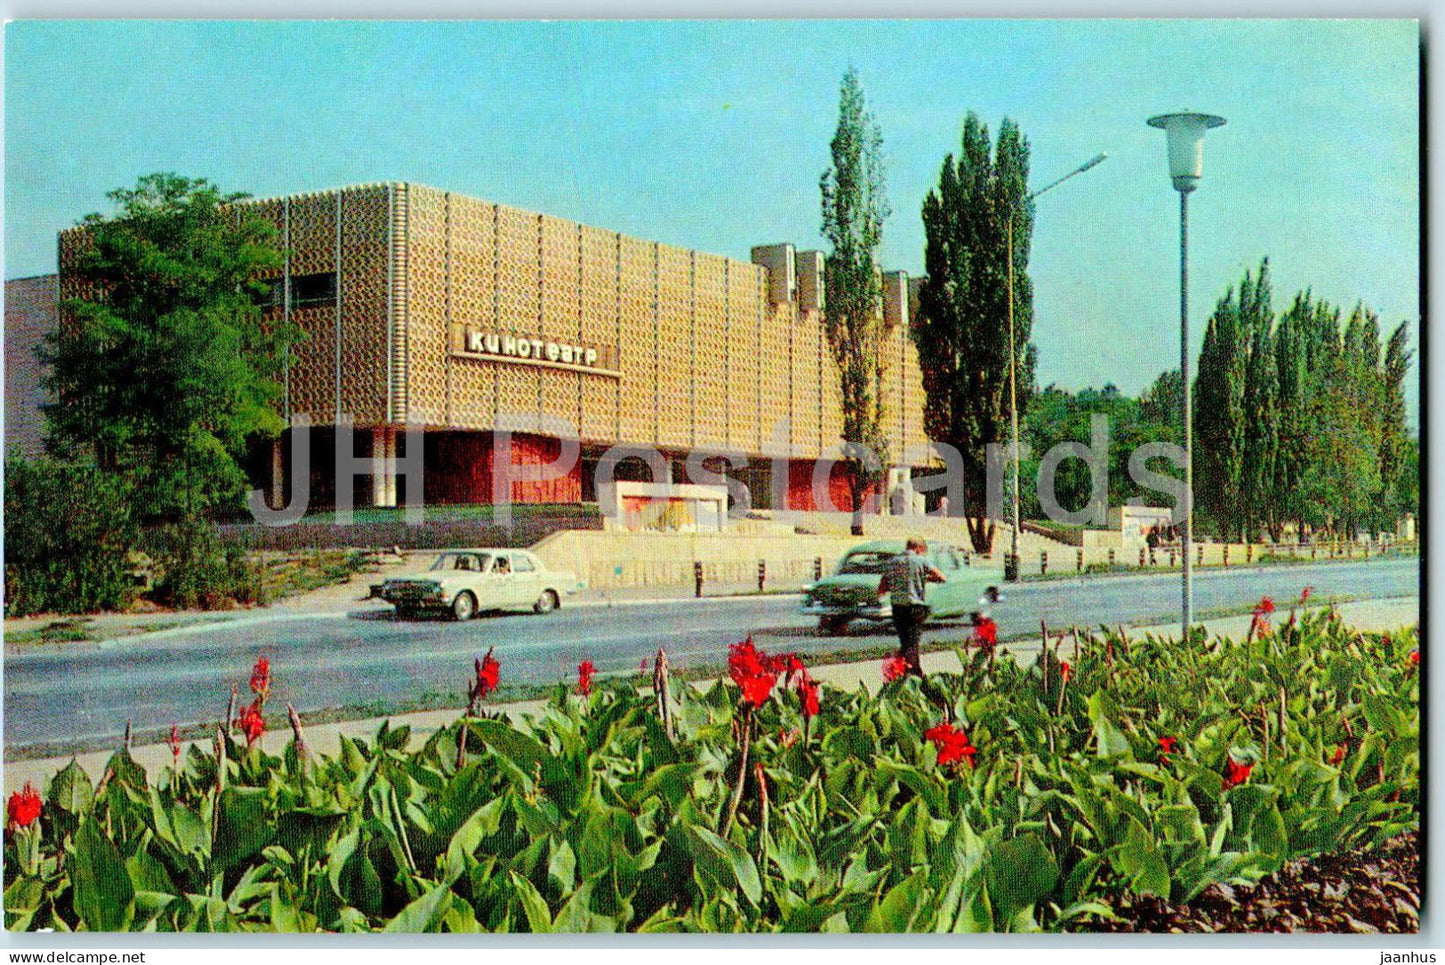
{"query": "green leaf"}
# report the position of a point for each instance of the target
(104, 894)
(521, 749)
(1140, 860)
(71, 790)
(898, 909)
(243, 828)
(424, 914)
(1020, 873)
(724, 862)
(534, 906)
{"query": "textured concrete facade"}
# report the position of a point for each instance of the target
(30, 315)
(700, 356)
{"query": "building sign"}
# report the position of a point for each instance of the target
(511, 347)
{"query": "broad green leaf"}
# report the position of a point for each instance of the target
(71, 790)
(539, 919)
(1021, 872)
(104, 895)
(424, 914)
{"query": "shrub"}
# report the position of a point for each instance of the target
(70, 536)
(198, 569)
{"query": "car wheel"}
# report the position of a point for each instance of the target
(547, 602)
(832, 626)
(464, 607)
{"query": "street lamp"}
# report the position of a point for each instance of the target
(1185, 134)
(1011, 565)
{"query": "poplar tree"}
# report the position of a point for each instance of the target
(855, 205)
(961, 328)
(1259, 410)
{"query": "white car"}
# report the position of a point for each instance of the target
(463, 582)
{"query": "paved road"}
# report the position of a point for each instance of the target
(85, 691)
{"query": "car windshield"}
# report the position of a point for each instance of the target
(866, 562)
(475, 562)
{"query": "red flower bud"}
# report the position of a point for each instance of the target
(585, 672)
(894, 667)
(261, 678)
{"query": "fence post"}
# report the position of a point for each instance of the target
(1226, 554)
(1201, 554)
(1314, 551)
(1111, 559)
(762, 575)
(1152, 560)
(1171, 558)
(1080, 566)
(1249, 552)
(1043, 562)
(817, 567)
(697, 577)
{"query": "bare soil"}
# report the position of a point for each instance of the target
(1371, 892)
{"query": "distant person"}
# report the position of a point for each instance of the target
(906, 584)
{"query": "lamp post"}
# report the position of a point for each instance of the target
(1011, 565)
(1185, 134)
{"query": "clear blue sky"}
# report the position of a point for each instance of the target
(712, 135)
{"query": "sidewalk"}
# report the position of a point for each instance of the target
(1374, 616)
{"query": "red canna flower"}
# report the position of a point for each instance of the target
(261, 678)
(1166, 747)
(894, 668)
(1235, 773)
(1305, 595)
(756, 689)
(1339, 755)
(953, 746)
(24, 807)
(1065, 670)
(1265, 607)
(751, 670)
(175, 743)
(252, 724)
(795, 669)
(585, 671)
(985, 633)
(489, 672)
(809, 690)
(1415, 656)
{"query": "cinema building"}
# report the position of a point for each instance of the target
(429, 308)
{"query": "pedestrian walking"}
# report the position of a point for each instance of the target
(906, 585)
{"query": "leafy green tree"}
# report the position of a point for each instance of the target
(1056, 416)
(1399, 469)
(162, 368)
(961, 329)
(1162, 405)
(855, 205)
(1260, 437)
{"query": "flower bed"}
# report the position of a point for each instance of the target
(1000, 798)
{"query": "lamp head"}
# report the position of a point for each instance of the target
(1185, 133)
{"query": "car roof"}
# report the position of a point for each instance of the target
(494, 550)
(896, 546)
